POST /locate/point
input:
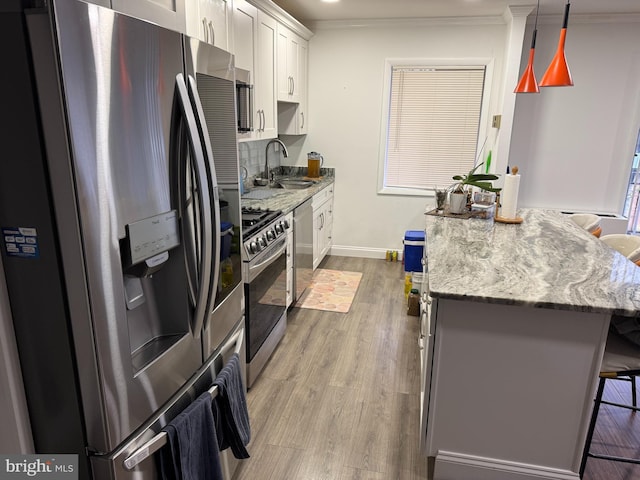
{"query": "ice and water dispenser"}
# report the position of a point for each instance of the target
(156, 287)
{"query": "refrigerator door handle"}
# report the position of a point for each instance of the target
(160, 439)
(205, 202)
(213, 189)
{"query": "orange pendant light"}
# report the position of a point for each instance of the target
(528, 82)
(558, 74)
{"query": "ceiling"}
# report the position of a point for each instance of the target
(307, 11)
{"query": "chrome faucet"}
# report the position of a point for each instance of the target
(285, 154)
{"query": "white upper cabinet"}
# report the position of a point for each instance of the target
(245, 28)
(254, 47)
(209, 21)
(166, 13)
(293, 118)
(265, 83)
(292, 53)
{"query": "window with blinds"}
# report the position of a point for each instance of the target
(434, 119)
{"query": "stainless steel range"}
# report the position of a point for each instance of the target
(264, 265)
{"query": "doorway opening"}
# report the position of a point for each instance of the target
(632, 201)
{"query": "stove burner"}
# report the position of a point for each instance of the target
(260, 227)
(253, 219)
(252, 216)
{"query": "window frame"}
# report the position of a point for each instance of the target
(487, 63)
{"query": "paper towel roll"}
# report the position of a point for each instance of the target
(509, 196)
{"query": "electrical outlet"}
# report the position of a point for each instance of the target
(496, 121)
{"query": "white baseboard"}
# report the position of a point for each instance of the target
(467, 467)
(362, 252)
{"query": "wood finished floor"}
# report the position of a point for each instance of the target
(339, 399)
(617, 433)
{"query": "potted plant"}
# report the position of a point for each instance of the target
(458, 195)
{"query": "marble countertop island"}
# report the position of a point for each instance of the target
(514, 336)
(547, 261)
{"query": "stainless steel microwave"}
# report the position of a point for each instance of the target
(244, 100)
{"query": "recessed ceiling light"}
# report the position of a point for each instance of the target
(330, 1)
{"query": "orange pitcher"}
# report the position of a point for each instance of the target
(314, 162)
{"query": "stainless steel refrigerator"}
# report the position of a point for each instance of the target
(111, 226)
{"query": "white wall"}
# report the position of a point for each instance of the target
(574, 145)
(346, 73)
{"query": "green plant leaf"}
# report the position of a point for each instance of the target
(481, 176)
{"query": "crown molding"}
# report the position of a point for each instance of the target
(283, 17)
(614, 18)
(404, 22)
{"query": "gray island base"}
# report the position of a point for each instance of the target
(516, 324)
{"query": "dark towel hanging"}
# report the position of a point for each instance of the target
(233, 417)
(192, 452)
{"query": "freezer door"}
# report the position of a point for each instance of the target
(136, 460)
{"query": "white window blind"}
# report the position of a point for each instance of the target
(434, 118)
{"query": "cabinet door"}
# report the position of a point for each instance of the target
(194, 27)
(302, 84)
(245, 26)
(291, 81)
(327, 227)
(287, 76)
(265, 82)
(317, 236)
(283, 75)
(166, 13)
(245, 42)
(215, 22)
(290, 259)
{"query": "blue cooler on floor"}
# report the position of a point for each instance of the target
(413, 250)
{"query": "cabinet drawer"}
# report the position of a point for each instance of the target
(322, 196)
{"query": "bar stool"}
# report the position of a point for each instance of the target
(621, 361)
(627, 245)
(588, 221)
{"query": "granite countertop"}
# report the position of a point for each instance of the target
(286, 199)
(547, 261)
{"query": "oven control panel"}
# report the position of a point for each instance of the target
(265, 237)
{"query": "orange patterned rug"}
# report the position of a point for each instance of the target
(330, 290)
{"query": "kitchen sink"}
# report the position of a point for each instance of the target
(261, 194)
(294, 183)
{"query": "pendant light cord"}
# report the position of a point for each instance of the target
(535, 27)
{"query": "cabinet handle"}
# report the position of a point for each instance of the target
(204, 28)
(302, 115)
(293, 85)
(264, 120)
(213, 35)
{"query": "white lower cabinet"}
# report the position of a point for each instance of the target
(322, 204)
(290, 259)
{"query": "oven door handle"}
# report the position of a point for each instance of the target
(255, 270)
